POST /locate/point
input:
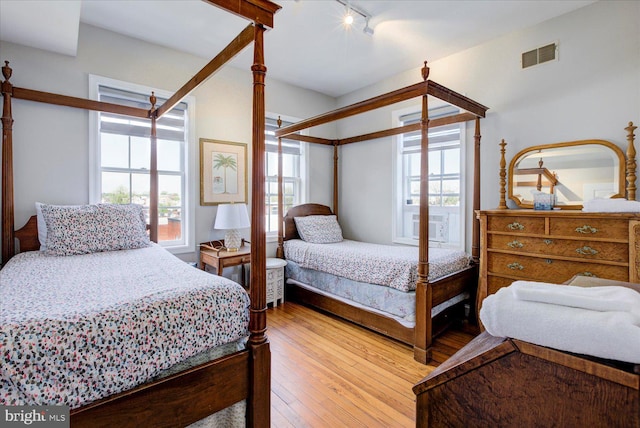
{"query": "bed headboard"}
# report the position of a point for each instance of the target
(290, 231)
(27, 235)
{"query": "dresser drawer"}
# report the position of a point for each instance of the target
(556, 271)
(596, 250)
(495, 283)
(590, 227)
(516, 224)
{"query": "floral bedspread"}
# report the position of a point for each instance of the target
(75, 329)
(390, 265)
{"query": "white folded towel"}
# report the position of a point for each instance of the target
(611, 334)
(616, 205)
(603, 299)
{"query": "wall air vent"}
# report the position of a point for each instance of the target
(539, 55)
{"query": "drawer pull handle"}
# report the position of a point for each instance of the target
(515, 226)
(586, 251)
(515, 244)
(549, 261)
(586, 229)
(515, 265)
(587, 274)
(548, 241)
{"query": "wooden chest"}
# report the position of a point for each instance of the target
(498, 382)
(554, 246)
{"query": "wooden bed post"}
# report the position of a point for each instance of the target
(280, 250)
(631, 163)
(475, 244)
(424, 291)
(335, 178)
(8, 245)
(153, 173)
(259, 402)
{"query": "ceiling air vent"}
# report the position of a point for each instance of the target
(538, 56)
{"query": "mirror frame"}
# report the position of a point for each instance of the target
(621, 159)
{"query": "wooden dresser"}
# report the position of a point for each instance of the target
(554, 246)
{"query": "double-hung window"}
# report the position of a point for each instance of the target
(446, 190)
(293, 173)
(120, 155)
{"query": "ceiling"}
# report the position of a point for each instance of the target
(308, 47)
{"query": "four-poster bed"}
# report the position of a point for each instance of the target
(194, 393)
(427, 294)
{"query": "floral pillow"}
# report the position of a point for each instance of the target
(85, 229)
(319, 229)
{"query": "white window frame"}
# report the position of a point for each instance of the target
(187, 243)
(272, 236)
(398, 203)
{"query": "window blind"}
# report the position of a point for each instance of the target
(171, 126)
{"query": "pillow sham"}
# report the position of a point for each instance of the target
(319, 229)
(84, 229)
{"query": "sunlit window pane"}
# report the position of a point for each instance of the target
(116, 188)
(114, 150)
(272, 164)
(169, 155)
(434, 163)
(451, 161)
(140, 153)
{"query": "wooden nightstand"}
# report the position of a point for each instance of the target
(220, 259)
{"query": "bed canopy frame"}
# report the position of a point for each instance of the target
(191, 395)
(472, 111)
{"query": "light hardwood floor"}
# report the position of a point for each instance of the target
(327, 372)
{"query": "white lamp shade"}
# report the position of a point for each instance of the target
(232, 216)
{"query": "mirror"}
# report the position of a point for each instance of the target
(574, 172)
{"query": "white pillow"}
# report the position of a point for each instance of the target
(84, 229)
(319, 229)
(42, 227)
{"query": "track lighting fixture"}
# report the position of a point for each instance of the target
(349, 17)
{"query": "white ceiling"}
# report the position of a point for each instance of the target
(308, 46)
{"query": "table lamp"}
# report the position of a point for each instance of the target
(232, 217)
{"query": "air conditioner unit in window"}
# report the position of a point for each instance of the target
(438, 227)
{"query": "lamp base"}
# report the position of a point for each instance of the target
(233, 240)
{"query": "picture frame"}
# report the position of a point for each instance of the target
(223, 172)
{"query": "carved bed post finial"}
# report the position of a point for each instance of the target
(631, 162)
(503, 177)
(425, 71)
(153, 100)
(6, 71)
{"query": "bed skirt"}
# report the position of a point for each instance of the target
(386, 301)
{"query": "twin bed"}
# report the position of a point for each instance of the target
(431, 288)
(371, 284)
(110, 324)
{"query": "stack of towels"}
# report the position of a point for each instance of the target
(616, 205)
(599, 321)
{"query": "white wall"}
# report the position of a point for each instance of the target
(592, 91)
(51, 150)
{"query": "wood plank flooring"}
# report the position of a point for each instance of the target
(327, 372)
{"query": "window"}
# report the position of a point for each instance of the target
(120, 158)
(446, 197)
(293, 173)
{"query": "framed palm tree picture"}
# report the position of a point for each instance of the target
(223, 172)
